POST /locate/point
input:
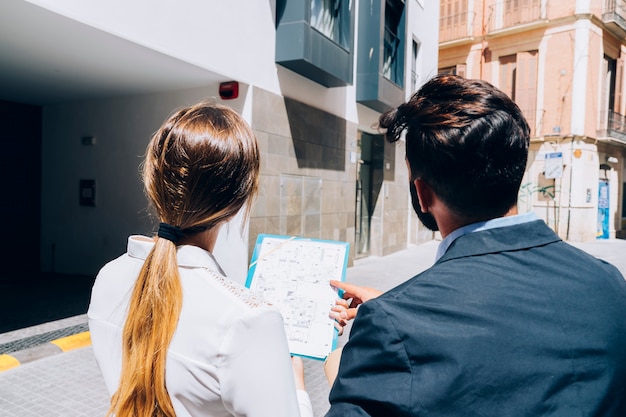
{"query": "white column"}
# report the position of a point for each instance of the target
(579, 84)
(583, 6)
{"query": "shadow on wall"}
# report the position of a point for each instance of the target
(34, 299)
(319, 138)
(20, 173)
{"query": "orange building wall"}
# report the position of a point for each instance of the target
(557, 93)
(559, 8)
(572, 210)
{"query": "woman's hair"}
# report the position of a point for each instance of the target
(201, 168)
(467, 140)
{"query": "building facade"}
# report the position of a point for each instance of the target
(310, 76)
(563, 64)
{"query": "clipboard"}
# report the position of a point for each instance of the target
(293, 274)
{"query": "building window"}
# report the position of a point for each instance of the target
(332, 19)
(453, 20)
(459, 69)
(393, 67)
(518, 79)
(414, 75)
(612, 121)
(508, 13)
(607, 92)
(521, 11)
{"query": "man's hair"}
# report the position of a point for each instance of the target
(467, 140)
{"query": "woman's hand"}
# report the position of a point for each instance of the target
(346, 307)
(298, 372)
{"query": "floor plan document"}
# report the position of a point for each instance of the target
(293, 273)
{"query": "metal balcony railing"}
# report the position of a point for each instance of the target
(509, 13)
(456, 26)
(616, 127)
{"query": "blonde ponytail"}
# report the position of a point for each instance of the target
(153, 314)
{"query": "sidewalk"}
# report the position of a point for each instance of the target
(58, 375)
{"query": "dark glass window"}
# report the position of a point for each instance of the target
(332, 19)
(414, 76)
(392, 65)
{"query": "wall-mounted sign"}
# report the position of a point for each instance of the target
(87, 192)
(553, 166)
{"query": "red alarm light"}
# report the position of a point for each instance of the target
(229, 90)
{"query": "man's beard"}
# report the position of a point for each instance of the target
(427, 219)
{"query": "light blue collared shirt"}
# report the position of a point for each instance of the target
(486, 225)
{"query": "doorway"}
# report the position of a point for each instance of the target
(603, 228)
(20, 169)
(368, 182)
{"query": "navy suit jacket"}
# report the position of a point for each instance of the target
(510, 321)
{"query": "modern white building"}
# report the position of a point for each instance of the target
(83, 85)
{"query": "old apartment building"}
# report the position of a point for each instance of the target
(563, 64)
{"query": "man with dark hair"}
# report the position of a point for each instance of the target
(510, 320)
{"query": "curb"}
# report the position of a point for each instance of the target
(63, 344)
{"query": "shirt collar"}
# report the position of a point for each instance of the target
(485, 225)
(187, 256)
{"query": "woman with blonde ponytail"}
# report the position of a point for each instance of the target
(172, 335)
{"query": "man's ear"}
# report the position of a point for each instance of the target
(424, 194)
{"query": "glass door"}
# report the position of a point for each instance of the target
(364, 204)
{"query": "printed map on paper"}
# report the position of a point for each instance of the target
(293, 274)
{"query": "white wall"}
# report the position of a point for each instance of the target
(236, 38)
(424, 26)
(84, 238)
(233, 37)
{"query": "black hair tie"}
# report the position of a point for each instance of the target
(169, 232)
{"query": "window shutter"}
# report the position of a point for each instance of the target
(461, 69)
(507, 75)
(453, 19)
(526, 86)
(619, 81)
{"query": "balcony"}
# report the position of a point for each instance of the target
(506, 14)
(614, 16)
(316, 42)
(616, 128)
(456, 27)
(380, 57)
